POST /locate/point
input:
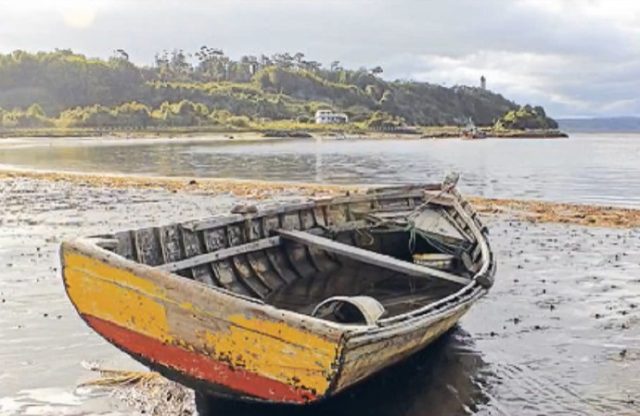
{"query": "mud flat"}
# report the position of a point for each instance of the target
(530, 210)
(558, 334)
(540, 212)
(237, 187)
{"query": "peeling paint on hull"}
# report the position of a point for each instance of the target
(254, 356)
(192, 301)
(197, 365)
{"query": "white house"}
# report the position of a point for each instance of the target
(329, 117)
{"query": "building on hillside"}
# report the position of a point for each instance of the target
(483, 82)
(329, 117)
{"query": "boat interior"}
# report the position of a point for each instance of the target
(347, 262)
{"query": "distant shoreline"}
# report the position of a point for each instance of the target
(424, 132)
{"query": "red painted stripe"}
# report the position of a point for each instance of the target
(199, 366)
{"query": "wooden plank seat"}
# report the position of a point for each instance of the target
(369, 257)
(318, 242)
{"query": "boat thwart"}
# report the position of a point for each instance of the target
(291, 303)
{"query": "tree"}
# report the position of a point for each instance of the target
(313, 66)
(178, 64)
(121, 54)
(298, 58)
(74, 89)
(35, 111)
(283, 60)
(377, 70)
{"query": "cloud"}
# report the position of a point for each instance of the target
(624, 14)
(567, 85)
(575, 57)
(79, 16)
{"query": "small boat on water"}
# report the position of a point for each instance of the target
(471, 132)
(288, 303)
(473, 135)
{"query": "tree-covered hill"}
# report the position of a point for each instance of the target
(526, 118)
(62, 87)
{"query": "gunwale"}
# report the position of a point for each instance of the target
(348, 337)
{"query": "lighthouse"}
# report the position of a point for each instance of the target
(483, 82)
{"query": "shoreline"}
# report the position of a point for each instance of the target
(312, 131)
(534, 211)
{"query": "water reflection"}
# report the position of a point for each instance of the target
(585, 169)
(443, 379)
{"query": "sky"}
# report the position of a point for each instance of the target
(574, 57)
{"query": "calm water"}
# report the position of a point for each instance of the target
(603, 169)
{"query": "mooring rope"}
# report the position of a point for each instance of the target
(447, 185)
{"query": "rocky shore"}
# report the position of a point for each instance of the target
(448, 133)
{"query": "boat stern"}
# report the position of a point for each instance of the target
(206, 339)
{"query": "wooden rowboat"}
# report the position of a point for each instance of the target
(291, 303)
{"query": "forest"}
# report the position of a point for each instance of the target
(63, 89)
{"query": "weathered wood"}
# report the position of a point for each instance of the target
(284, 356)
(307, 219)
(319, 216)
(454, 221)
(336, 214)
(281, 265)
(348, 226)
(224, 220)
(370, 257)
(220, 221)
(406, 188)
(214, 240)
(257, 260)
(262, 268)
(148, 246)
(297, 254)
(206, 327)
(246, 274)
(192, 248)
(237, 236)
(307, 222)
(222, 254)
(351, 199)
(400, 203)
(126, 246)
(170, 242)
(443, 200)
(299, 260)
(253, 230)
(290, 221)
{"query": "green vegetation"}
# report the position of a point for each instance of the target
(208, 90)
(526, 118)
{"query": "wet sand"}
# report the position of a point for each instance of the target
(559, 333)
(554, 212)
(529, 210)
(237, 187)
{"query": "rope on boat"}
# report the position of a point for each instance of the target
(438, 245)
(448, 184)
